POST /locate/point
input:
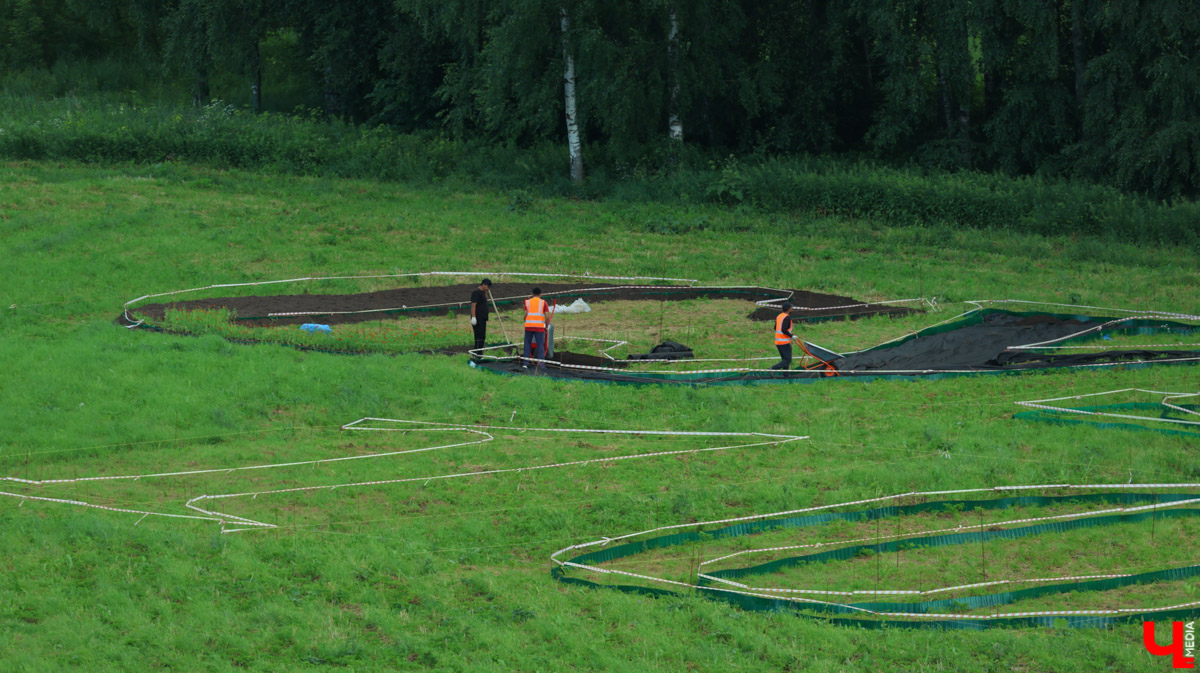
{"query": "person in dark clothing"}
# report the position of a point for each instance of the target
(783, 336)
(479, 311)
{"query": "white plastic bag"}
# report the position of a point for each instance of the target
(579, 306)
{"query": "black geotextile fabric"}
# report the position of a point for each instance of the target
(982, 346)
(976, 343)
(667, 350)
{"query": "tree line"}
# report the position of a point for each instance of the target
(1102, 90)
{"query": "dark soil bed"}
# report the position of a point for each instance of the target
(348, 308)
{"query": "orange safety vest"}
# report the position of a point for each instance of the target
(535, 314)
(781, 339)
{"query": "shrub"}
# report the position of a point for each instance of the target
(222, 135)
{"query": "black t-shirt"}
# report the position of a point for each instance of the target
(481, 311)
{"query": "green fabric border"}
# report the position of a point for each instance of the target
(1139, 326)
(757, 603)
(864, 378)
(1067, 418)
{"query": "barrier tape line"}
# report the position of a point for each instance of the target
(365, 424)
(651, 373)
(774, 594)
(690, 284)
(881, 499)
(867, 501)
(1041, 405)
(558, 293)
(516, 274)
(956, 529)
(1157, 314)
(978, 304)
(459, 475)
(914, 592)
(79, 503)
(959, 529)
(219, 470)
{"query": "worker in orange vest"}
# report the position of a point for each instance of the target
(783, 336)
(537, 317)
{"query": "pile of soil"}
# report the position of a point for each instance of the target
(828, 306)
(332, 309)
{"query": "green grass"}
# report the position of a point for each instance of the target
(1124, 548)
(454, 575)
(121, 128)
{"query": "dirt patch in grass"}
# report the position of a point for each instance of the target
(349, 308)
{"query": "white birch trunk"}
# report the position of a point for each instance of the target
(255, 80)
(674, 123)
(574, 146)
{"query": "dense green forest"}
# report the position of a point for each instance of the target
(1106, 91)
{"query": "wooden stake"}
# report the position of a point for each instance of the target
(982, 558)
(662, 307)
(878, 553)
(897, 534)
(1154, 517)
(496, 309)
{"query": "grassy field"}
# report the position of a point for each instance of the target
(453, 574)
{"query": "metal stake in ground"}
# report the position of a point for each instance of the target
(1154, 517)
(497, 311)
(982, 557)
(878, 551)
(549, 331)
(898, 545)
(662, 307)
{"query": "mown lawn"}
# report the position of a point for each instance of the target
(454, 574)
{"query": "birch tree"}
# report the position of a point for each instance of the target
(574, 146)
(674, 121)
(528, 76)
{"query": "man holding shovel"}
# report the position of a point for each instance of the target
(479, 312)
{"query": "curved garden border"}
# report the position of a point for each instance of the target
(724, 585)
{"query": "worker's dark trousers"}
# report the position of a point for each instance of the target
(480, 334)
(785, 353)
(538, 341)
